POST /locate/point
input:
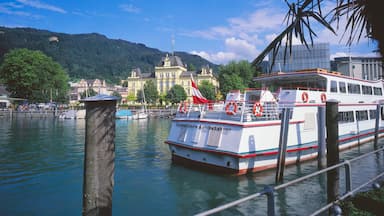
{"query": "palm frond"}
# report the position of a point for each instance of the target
(298, 20)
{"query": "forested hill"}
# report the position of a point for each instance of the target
(90, 56)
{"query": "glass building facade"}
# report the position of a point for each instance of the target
(317, 56)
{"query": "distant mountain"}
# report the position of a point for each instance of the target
(91, 56)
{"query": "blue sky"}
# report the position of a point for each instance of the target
(218, 30)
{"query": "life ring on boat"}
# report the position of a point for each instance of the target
(183, 107)
(304, 97)
(323, 97)
(257, 109)
(231, 108)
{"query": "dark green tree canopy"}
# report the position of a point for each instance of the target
(176, 94)
(236, 75)
(88, 93)
(34, 76)
(150, 91)
(207, 90)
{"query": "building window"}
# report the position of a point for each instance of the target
(367, 90)
(353, 88)
(377, 91)
(361, 115)
(333, 86)
(345, 117)
(342, 88)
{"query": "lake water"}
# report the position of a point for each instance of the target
(41, 173)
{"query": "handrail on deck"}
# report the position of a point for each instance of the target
(269, 191)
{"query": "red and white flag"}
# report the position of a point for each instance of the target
(198, 98)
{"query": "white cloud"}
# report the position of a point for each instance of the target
(240, 35)
(240, 47)
(12, 9)
(129, 8)
(40, 5)
(217, 58)
(235, 49)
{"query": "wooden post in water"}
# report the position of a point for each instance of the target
(321, 157)
(332, 112)
(282, 144)
(378, 107)
(99, 164)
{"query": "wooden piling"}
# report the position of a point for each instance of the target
(321, 156)
(282, 144)
(99, 155)
(332, 112)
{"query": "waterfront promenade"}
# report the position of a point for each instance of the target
(7, 113)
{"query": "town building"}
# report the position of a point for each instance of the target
(84, 86)
(368, 68)
(169, 72)
(300, 58)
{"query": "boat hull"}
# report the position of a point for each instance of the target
(256, 161)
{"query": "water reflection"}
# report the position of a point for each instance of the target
(41, 168)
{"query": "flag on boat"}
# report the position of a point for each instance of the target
(198, 98)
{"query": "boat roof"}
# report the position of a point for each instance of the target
(305, 75)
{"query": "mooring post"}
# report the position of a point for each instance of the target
(321, 158)
(282, 144)
(378, 107)
(99, 156)
(332, 112)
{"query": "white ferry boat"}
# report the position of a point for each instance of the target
(241, 134)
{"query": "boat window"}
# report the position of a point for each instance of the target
(372, 114)
(367, 90)
(345, 117)
(377, 91)
(333, 86)
(353, 88)
(361, 115)
(342, 88)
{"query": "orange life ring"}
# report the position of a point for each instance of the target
(231, 108)
(183, 107)
(304, 97)
(257, 109)
(323, 97)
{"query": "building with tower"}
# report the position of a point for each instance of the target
(169, 72)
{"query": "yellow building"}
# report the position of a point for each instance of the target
(170, 71)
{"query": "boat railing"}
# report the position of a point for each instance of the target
(240, 111)
(303, 88)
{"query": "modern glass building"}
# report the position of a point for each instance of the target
(317, 56)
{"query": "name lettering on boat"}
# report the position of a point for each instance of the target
(206, 127)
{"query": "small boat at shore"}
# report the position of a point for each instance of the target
(123, 114)
(73, 114)
(241, 134)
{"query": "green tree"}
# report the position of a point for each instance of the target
(191, 67)
(140, 96)
(88, 93)
(131, 97)
(150, 91)
(207, 90)
(364, 19)
(176, 94)
(236, 75)
(34, 76)
(117, 94)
